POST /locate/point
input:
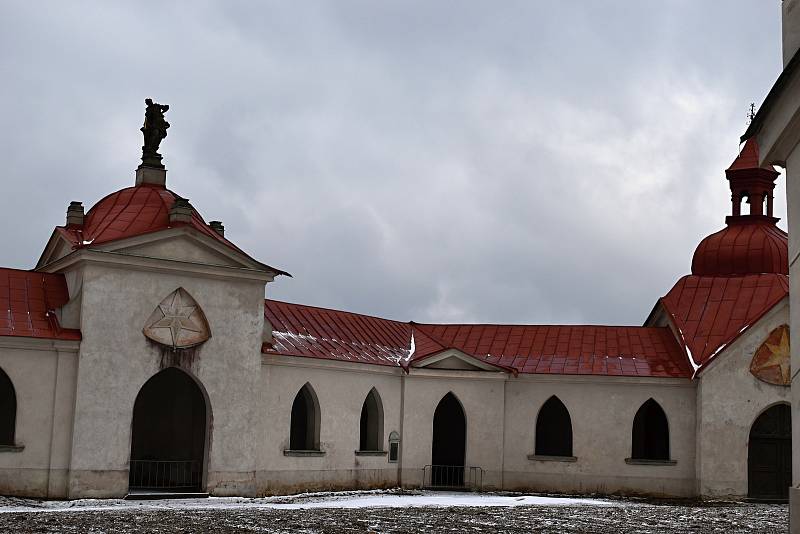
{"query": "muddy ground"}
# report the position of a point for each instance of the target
(628, 517)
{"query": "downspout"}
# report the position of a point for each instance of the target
(503, 439)
(402, 420)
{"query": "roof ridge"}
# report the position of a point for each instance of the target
(337, 311)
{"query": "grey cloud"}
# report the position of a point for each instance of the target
(435, 161)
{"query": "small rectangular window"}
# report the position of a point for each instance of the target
(394, 450)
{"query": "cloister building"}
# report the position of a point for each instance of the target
(140, 355)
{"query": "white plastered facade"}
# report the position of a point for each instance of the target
(75, 400)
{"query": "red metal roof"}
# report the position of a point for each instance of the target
(307, 331)
(335, 335)
(712, 311)
(747, 158)
(134, 211)
(27, 301)
(748, 245)
(561, 349)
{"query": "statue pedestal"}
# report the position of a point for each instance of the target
(151, 175)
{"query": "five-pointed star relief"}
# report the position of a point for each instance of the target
(177, 317)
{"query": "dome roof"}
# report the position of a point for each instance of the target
(131, 212)
(748, 245)
(135, 211)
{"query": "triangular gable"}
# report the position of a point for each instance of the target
(429, 351)
(182, 244)
(455, 360)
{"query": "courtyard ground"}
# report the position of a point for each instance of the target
(389, 512)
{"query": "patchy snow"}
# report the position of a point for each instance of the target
(88, 241)
(412, 349)
(692, 361)
(350, 500)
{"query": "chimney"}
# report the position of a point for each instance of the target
(218, 227)
(181, 211)
(75, 214)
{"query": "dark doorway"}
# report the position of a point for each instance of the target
(371, 424)
(650, 436)
(304, 425)
(449, 443)
(553, 429)
(169, 434)
(769, 455)
(8, 410)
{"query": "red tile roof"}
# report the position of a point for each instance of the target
(748, 245)
(307, 331)
(712, 311)
(27, 300)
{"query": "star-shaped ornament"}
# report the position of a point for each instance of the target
(178, 322)
(772, 361)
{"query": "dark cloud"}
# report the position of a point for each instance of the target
(441, 161)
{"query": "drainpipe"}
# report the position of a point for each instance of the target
(402, 435)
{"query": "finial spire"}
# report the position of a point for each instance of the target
(154, 131)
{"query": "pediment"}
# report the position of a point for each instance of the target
(455, 360)
(180, 245)
(57, 247)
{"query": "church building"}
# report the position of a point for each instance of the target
(140, 355)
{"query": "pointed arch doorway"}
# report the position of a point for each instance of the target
(769, 455)
(448, 454)
(169, 435)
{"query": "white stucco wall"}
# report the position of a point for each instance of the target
(341, 390)
(116, 360)
(729, 400)
(43, 374)
(500, 412)
(602, 410)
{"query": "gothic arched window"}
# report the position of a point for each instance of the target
(371, 424)
(304, 432)
(8, 410)
(553, 429)
(650, 436)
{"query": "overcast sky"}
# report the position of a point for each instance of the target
(442, 161)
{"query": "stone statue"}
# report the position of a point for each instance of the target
(154, 130)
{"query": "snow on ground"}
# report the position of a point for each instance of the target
(390, 512)
(351, 500)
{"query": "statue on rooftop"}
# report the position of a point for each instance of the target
(154, 130)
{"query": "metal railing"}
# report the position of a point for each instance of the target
(165, 474)
(452, 477)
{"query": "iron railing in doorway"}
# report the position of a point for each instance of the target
(457, 477)
(179, 475)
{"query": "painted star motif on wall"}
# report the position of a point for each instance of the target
(771, 362)
(178, 322)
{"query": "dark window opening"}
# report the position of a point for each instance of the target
(371, 424)
(650, 440)
(304, 432)
(769, 455)
(553, 429)
(8, 410)
(168, 433)
(394, 451)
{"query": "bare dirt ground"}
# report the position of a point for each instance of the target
(620, 517)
